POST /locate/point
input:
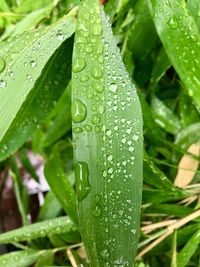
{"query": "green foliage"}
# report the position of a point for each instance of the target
(159, 44)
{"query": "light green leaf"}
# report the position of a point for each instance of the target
(20, 258)
(61, 186)
(54, 226)
(165, 117)
(22, 116)
(24, 62)
(181, 40)
(189, 249)
(107, 134)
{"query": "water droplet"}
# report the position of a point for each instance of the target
(97, 129)
(96, 72)
(104, 253)
(79, 64)
(79, 111)
(98, 87)
(82, 183)
(172, 22)
(77, 130)
(2, 64)
(97, 211)
(96, 119)
(110, 171)
(110, 158)
(131, 149)
(108, 132)
(113, 88)
(33, 63)
(88, 127)
(3, 84)
(60, 35)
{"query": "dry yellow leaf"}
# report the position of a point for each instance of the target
(187, 166)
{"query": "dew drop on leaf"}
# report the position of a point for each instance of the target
(113, 88)
(82, 183)
(2, 64)
(172, 23)
(79, 111)
(3, 84)
(96, 72)
(96, 119)
(79, 64)
(33, 63)
(97, 211)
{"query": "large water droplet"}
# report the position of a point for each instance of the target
(2, 64)
(79, 111)
(82, 182)
(79, 64)
(3, 84)
(96, 119)
(96, 72)
(98, 87)
(172, 22)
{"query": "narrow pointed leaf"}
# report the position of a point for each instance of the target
(107, 134)
(23, 65)
(61, 186)
(181, 40)
(189, 249)
(40, 100)
(40, 229)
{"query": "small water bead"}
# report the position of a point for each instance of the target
(108, 132)
(96, 119)
(110, 158)
(113, 87)
(96, 72)
(79, 64)
(3, 84)
(110, 170)
(98, 87)
(60, 35)
(104, 253)
(87, 127)
(77, 130)
(33, 63)
(88, 49)
(82, 180)
(97, 211)
(172, 23)
(97, 129)
(2, 64)
(131, 149)
(79, 111)
(28, 76)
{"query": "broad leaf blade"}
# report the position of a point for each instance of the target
(24, 63)
(40, 101)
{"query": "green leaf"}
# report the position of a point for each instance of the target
(42, 97)
(51, 207)
(23, 66)
(60, 122)
(189, 249)
(46, 258)
(161, 65)
(181, 40)
(107, 135)
(61, 186)
(20, 258)
(194, 8)
(188, 136)
(54, 226)
(165, 117)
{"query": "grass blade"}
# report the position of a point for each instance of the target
(107, 134)
(54, 226)
(24, 64)
(179, 35)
